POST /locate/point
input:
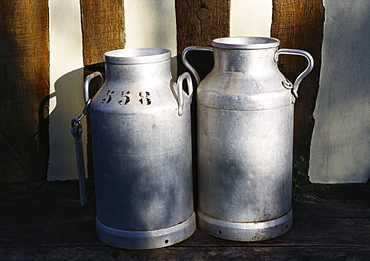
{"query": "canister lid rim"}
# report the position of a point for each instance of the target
(137, 56)
(246, 42)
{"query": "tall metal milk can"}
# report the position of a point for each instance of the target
(245, 136)
(141, 139)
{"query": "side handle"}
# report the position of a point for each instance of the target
(300, 77)
(187, 64)
(87, 84)
(180, 92)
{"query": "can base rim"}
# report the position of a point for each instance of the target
(245, 231)
(146, 239)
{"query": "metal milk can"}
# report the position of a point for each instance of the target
(245, 137)
(140, 125)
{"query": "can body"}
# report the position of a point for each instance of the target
(245, 142)
(142, 153)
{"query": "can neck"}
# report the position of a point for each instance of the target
(245, 60)
(137, 72)
(137, 64)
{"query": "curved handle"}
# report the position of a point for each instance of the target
(300, 77)
(87, 84)
(180, 96)
(187, 64)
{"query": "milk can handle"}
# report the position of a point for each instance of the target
(187, 64)
(300, 77)
(87, 84)
(180, 92)
(76, 130)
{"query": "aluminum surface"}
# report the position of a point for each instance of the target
(140, 125)
(245, 139)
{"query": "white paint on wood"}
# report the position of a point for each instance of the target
(341, 139)
(151, 24)
(66, 81)
(250, 17)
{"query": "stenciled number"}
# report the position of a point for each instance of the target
(126, 97)
(144, 100)
(109, 98)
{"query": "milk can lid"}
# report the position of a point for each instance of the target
(245, 42)
(137, 56)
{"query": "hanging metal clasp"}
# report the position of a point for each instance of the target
(76, 130)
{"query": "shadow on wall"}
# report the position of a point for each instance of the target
(69, 102)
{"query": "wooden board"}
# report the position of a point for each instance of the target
(298, 24)
(24, 87)
(102, 28)
(44, 221)
(178, 253)
(198, 22)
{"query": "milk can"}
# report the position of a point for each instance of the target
(245, 137)
(141, 140)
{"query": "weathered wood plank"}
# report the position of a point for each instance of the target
(45, 221)
(177, 253)
(74, 226)
(12, 165)
(198, 22)
(298, 24)
(335, 193)
(54, 216)
(102, 28)
(24, 83)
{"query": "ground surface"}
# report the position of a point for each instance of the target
(44, 221)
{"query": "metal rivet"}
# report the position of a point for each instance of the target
(203, 14)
